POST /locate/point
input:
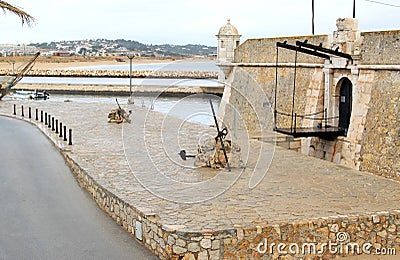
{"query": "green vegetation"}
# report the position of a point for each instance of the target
(123, 47)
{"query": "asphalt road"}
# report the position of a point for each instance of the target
(44, 214)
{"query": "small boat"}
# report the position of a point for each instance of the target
(28, 94)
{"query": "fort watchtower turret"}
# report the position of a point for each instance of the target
(228, 41)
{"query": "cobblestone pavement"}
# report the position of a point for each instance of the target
(139, 162)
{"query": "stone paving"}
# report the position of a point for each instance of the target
(139, 163)
(295, 187)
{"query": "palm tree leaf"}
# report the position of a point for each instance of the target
(25, 17)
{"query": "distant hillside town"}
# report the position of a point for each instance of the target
(104, 47)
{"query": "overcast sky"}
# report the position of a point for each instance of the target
(186, 21)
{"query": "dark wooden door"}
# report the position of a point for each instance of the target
(345, 104)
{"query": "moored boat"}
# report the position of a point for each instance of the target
(28, 94)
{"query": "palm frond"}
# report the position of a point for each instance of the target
(24, 16)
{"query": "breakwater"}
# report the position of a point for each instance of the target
(117, 73)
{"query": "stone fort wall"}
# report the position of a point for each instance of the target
(380, 144)
(252, 81)
(380, 48)
(373, 140)
(380, 147)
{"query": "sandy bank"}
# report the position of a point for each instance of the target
(124, 60)
(78, 61)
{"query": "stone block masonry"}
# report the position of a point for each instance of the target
(380, 142)
(263, 50)
(380, 48)
(372, 142)
(329, 237)
(320, 237)
(252, 82)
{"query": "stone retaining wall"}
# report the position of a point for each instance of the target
(118, 74)
(365, 233)
(165, 241)
(369, 232)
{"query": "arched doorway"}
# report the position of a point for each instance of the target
(345, 102)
